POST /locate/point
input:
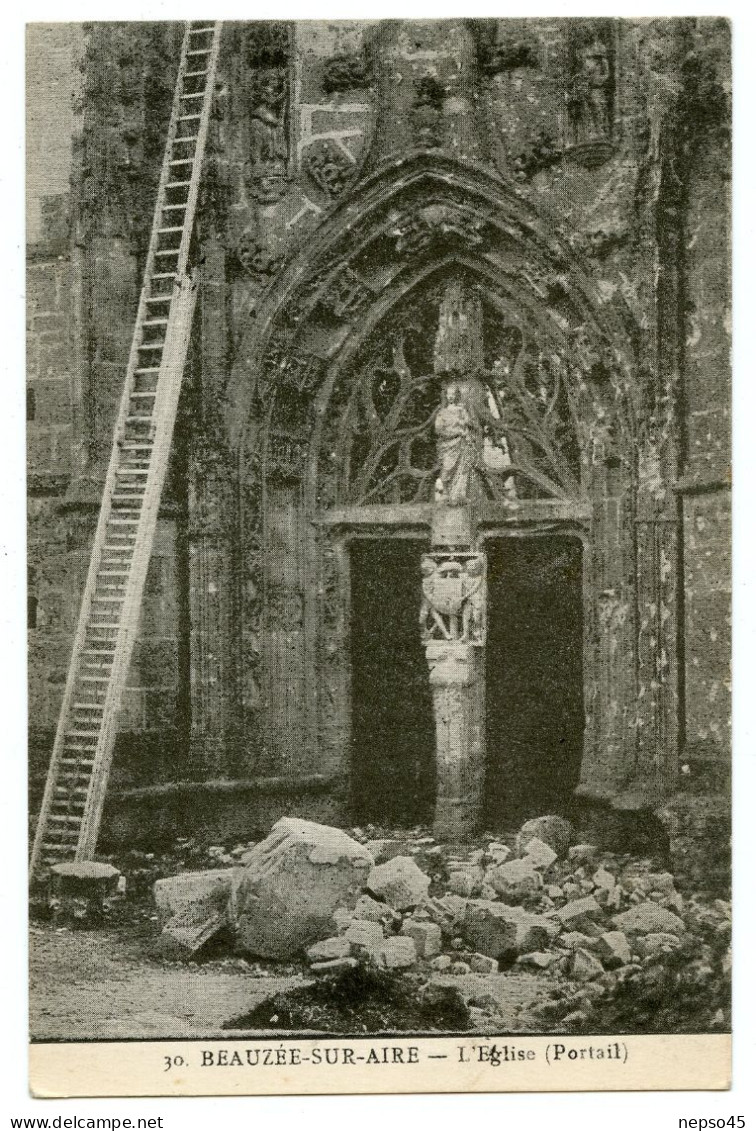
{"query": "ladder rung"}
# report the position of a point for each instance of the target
(94, 678)
(65, 818)
(91, 734)
(164, 275)
(201, 51)
(185, 140)
(188, 117)
(163, 231)
(167, 251)
(194, 74)
(87, 706)
(193, 94)
(160, 321)
(175, 207)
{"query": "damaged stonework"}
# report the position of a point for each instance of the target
(565, 184)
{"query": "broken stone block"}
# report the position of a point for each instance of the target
(399, 882)
(648, 918)
(373, 911)
(540, 959)
(342, 919)
(614, 949)
(328, 949)
(425, 935)
(364, 937)
(383, 850)
(334, 966)
(661, 941)
(483, 964)
(585, 966)
(574, 939)
(542, 855)
(197, 894)
(603, 879)
(496, 929)
(462, 883)
(459, 968)
(397, 953)
(448, 911)
(515, 879)
(285, 897)
(497, 852)
(183, 937)
(554, 831)
(441, 962)
(577, 910)
(553, 891)
(582, 854)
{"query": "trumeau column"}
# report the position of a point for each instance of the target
(453, 609)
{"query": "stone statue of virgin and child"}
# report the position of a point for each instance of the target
(459, 443)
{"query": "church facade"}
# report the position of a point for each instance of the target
(446, 528)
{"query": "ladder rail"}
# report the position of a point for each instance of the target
(129, 625)
(182, 293)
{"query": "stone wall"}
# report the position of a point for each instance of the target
(304, 114)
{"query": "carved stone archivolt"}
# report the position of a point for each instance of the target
(360, 332)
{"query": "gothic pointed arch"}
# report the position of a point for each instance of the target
(332, 406)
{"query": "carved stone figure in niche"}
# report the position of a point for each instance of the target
(267, 136)
(453, 601)
(591, 93)
(267, 124)
(457, 442)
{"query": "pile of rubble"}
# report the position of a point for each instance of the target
(586, 918)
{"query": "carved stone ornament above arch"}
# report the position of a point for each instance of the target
(404, 230)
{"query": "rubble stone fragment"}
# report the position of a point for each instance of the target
(483, 964)
(328, 949)
(496, 929)
(397, 953)
(577, 910)
(614, 948)
(648, 918)
(542, 854)
(554, 831)
(197, 895)
(585, 966)
(515, 878)
(399, 882)
(334, 966)
(425, 935)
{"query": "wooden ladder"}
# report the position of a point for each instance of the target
(77, 779)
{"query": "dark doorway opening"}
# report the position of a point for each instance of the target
(393, 735)
(534, 676)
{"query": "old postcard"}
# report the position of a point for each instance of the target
(378, 423)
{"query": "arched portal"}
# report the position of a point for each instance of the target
(433, 293)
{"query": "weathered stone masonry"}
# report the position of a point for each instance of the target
(574, 174)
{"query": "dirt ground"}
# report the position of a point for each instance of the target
(102, 985)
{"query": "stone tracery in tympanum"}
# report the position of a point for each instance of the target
(392, 406)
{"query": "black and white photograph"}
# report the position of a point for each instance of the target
(378, 422)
